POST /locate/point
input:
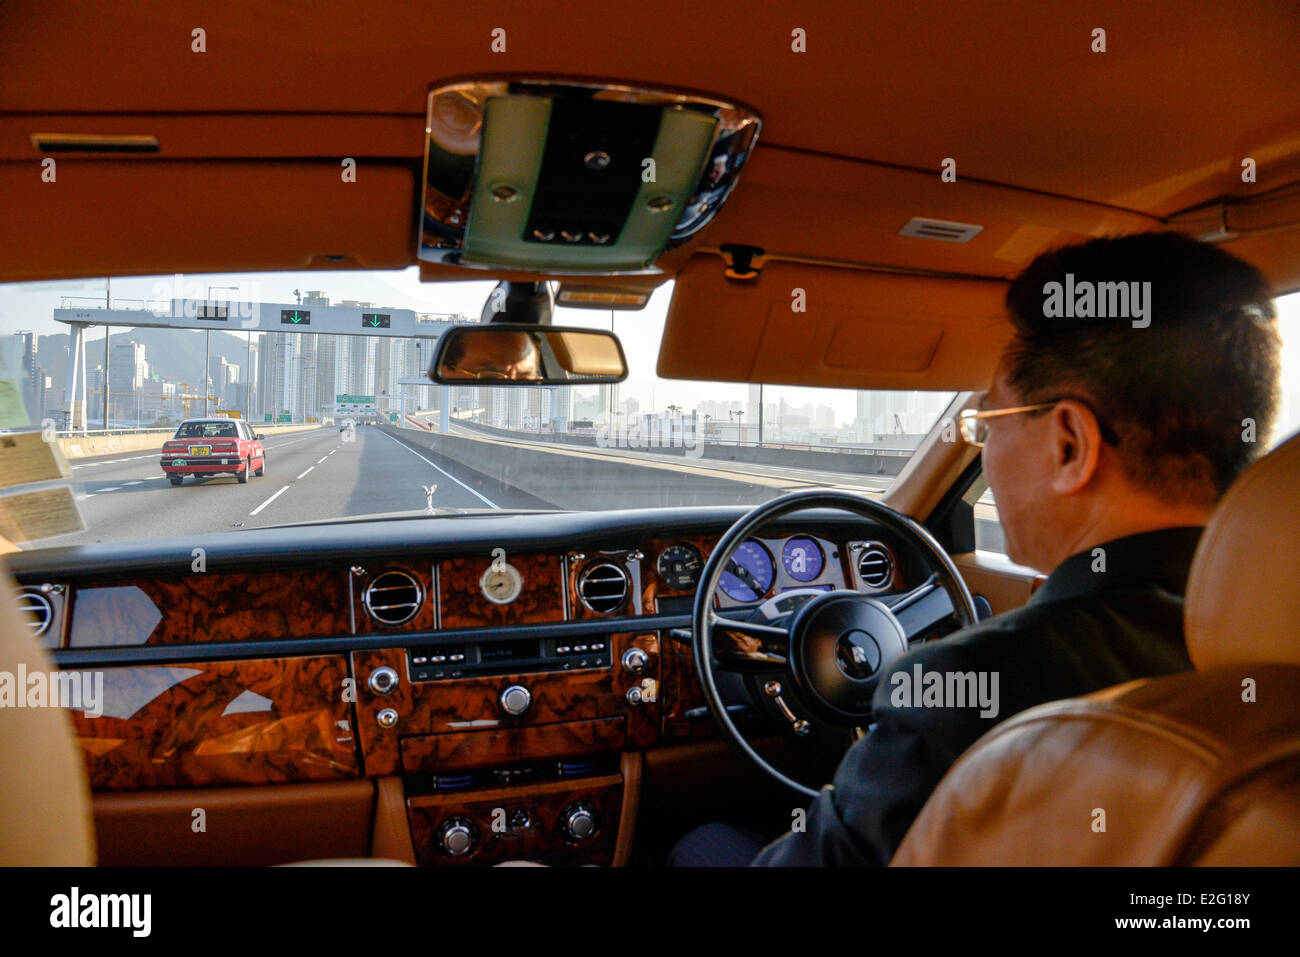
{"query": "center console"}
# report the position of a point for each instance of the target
(519, 748)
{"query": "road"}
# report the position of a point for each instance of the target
(309, 475)
(319, 475)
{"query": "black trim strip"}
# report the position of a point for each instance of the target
(299, 647)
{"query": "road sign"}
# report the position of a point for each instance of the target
(284, 417)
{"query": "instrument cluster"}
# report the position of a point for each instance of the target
(757, 567)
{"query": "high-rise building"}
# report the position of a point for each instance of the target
(609, 399)
(32, 385)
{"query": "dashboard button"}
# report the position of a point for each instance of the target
(515, 700)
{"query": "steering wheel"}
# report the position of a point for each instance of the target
(827, 655)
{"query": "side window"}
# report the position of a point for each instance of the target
(988, 529)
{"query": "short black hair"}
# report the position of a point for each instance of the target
(1176, 392)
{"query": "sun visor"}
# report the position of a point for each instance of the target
(802, 324)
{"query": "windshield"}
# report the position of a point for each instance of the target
(349, 425)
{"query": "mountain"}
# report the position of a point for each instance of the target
(175, 355)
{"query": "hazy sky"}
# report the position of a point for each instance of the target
(31, 305)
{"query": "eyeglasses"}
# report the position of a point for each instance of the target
(974, 427)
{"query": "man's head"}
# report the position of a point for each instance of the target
(492, 354)
(1154, 411)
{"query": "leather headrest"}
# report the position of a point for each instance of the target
(1243, 593)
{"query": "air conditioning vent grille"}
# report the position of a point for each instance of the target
(392, 597)
(940, 229)
(40, 613)
(603, 587)
(875, 566)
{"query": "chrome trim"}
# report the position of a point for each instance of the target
(861, 550)
(585, 576)
(371, 608)
(41, 621)
(383, 680)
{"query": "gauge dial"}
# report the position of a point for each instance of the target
(749, 572)
(679, 567)
(802, 559)
(501, 583)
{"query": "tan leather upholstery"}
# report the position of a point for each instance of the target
(1196, 768)
(1243, 597)
(44, 798)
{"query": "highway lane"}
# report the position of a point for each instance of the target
(309, 476)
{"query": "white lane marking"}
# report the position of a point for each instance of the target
(321, 459)
(309, 468)
(482, 498)
(112, 488)
(269, 500)
(136, 482)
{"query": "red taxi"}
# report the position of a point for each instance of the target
(213, 447)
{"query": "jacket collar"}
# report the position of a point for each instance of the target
(1162, 557)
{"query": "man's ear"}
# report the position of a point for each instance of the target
(1075, 446)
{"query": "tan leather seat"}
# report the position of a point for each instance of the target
(44, 797)
(1196, 768)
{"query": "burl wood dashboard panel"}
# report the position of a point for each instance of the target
(544, 838)
(471, 704)
(200, 607)
(225, 722)
(463, 604)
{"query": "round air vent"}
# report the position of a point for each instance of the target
(392, 597)
(40, 613)
(875, 566)
(603, 587)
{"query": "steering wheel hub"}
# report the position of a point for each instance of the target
(838, 645)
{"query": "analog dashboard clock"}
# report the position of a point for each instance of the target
(501, 583)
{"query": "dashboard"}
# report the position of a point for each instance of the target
(494, 663)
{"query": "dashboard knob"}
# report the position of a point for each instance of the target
(515, 700)
(579, 821)
(457, 837)
(635, 661)
(383, 680)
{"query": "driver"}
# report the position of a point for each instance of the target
(1107, 440)
(492, 354)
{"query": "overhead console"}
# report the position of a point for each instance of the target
(550, 176)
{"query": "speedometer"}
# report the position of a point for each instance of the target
(802, 558)
(679, 567)
(749, 572)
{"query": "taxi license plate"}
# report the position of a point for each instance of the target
(200, 450)
(179, 462)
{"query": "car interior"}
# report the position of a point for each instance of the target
(833, 197)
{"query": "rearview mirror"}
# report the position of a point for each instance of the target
(506, 354)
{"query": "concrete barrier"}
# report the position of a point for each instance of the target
(882, 464)
(76, 447)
